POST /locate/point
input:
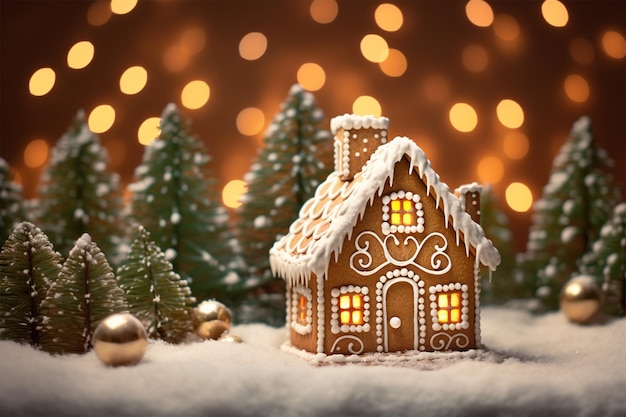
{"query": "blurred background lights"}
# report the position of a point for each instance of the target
(515, 145)
(474, 58)
(311, 76)
(250, 121)
(366, 105)
(506, 27)
(324, 11)
(581, 51)
(133, 80)
(42, 81)
(463, 117)
(122, 6)
(99, 12)
(555, 13)
(479, 12)
(613, 44)
(195, 94)
(232, 192)
(193, 40)
(149, 130)
(80, 55)
(101, 118)
(576, 88)
(176, 58)
(388, 17)
(395, 65)
(519, 197)
(490, 170)
(374, 48)
(36, 153)
(510, 113)
(252, 46)
(436, 88)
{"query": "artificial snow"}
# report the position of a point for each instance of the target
(531, 366)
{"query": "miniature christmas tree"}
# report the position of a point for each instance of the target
(606, 262)
(156, 294)
(11, 207)
(176, 199)
(78, 195)
(28, 266)
(296, 157)
(83, 295)
(576, 202)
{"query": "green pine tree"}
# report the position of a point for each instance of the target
(84, 294)
(11, 207)
(606, 262)
(156, 294)
(576, 202)
(28, 267)
(175, 197)
(295, 159)
(78, 195)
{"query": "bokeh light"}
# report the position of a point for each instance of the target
(474, 58)
(581, 51)
(395, 65)
(36, 153)
(374, 48)
(149, 130)
(613, 44)
(510, 113)
(324, 11)
(479, 12)
(99, 12)
(101, 118)
(463, 117)
(122, 6)
(490, 170)
(506, 27)
(252, 46)
(193, 40)
(388, 17)
(515, 145)
(42, 81)
(555, 13)
(133, 80)
(232, 192)
(367, 105)
(576, 88)
(195, 94)
(311, 76)
(519, 197)
(80, 55)
(176, 58)
(250, 121)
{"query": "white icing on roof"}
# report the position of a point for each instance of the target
(353, 121)
(330, 215)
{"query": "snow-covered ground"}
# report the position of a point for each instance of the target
(532, 366)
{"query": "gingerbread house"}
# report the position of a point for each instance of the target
(384, 257)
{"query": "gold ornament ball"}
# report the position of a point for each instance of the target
(580, 299)
(212, 319)
(231, 338)
(120, 339)
(213, 329)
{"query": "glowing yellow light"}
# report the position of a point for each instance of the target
(366, 105)
(42, 81)
(479, 12)
(388, 17)
(149, 130)
(510, 113)
(576, 88)
(581, 51)
(344, 301)
(407, 219)
(613, 44)
(442, 315)
(395, 65)
(515, 145)
(555, 13)
(455, 299)
(463, 117)
(99, 12)
(250, 121)
(311, 76)
(374, 48)
(80, 55)
(193, 40)
(324, 11)
(475, 58)
(195, 94)
(519, 197)
(101, 118)
(455, 315)
(232, 192)
(395, 205)
(506, 27)
(395, 218)
(357, 317)
(122, 6)
(436, 88)
(133, 80)
(252, 46)
(36, 153)
(345, 317)
(407, 205)
(356, 301)
(176, 58)
(490, 170)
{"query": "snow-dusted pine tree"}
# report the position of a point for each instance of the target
(175, 197)
(156, 294)
(606, 262)
(11, 208)
(28, 266)
(566, 220)
(296, 157)
(83, 295)
(78, 195)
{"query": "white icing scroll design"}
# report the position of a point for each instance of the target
(363, 262)
(443, 341)
(350, 341)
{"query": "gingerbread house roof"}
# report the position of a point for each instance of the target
(330, 215)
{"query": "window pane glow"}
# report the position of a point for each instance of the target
(195, 94)
(366, 105)
(80, 55)
(324, 11)
(133, 80)
(311, 76)
(149, 130)
(395, 65)
(374, 48)
(515, 145)
(101, 118)
(356, 301)
(510, 113)
(475, 58)
(613, 44)
(555, 13)
(231, 193)
(576, 88)
(463, 117)
(250, 121)
(519, 197)
(388, 17)
(252, 46)
(442, 300)
(36, 153)
(344, 301)
(122, 6)
(479, 12)
(42, 81)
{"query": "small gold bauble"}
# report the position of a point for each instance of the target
(120, 339)
(213, 329)
(231, 338)
(580, 299)
(212, 319)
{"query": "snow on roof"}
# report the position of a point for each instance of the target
(330, 215)
(353, 121)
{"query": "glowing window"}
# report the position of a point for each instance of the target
(402, 212)
(302, 310)
(449, 308)
(351, 309)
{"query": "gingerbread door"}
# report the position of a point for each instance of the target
(400, 307)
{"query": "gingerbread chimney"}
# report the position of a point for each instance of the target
(469, 195)
(356, 138)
